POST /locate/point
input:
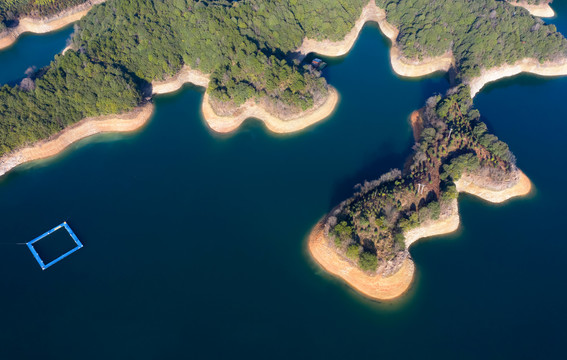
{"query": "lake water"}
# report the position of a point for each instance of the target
(31, 51)
(195, 243)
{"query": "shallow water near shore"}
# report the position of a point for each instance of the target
(194, 242)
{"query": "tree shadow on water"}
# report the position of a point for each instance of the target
(378, 164)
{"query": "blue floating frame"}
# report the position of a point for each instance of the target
(38, 258)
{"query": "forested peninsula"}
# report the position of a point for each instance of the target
(248, 55)
(365, 239)
(246, 50)
(370, 233)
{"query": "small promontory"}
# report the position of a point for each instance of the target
(365, 240)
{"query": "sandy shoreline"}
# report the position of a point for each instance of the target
(41, 26)
(386, 288)
(400, 65)
(375, 287)
(139, 116)
(447, 223)
(127, 122)
(522, 188)
(542, 10)
(532, 66)
(226, 124)
(370, 13)
(185, 76)
(407, 68)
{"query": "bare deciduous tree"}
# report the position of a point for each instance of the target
(27, 84)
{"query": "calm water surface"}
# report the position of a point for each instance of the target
(31, 50)
(195, 242)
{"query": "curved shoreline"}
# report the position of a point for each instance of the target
(401, 66)
(139, 116)
(531, 66)
(42, 26)
(375, 287)
(185, 76)
(542, 10)
(406, 68)
(467, 185)
(370, 12)
(378, 287)
(222, 124)
(126, 122)
(447, 223)
(227, 124)
(527, 65)
(387, 288)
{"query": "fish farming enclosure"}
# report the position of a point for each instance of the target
(54, 245)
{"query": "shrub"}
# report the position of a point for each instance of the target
(353, 251)
(342, 231)
(368, 261)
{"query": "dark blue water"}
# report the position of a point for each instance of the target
(31, 51)
(195, 242)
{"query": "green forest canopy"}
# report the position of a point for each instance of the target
(11, 10)
(480, 33)
(453, 142)
(123, 45)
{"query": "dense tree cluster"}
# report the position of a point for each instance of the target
(369, 228)
(243, 44)
(453, 141)
(12, 10)
(71, 89)
(480, 34)
(126, 44)
(246, 45)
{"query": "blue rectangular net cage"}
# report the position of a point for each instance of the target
(65, 226)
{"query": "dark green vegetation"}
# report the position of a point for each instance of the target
(159, 277)
(453, 141)
(12, 10)
(72, 88)
(245, 46)
(480, 33)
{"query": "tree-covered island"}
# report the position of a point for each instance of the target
(373, 229)
(246, 51)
